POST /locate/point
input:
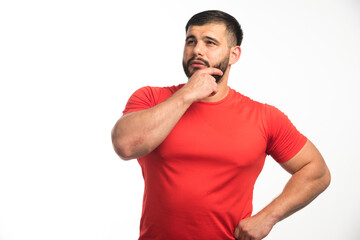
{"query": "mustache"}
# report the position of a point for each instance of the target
(198, 59)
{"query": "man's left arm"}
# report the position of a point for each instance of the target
(310, 177)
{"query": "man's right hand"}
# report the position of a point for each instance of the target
(138, 133)
(202, 84)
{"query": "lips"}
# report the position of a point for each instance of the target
(198, 64)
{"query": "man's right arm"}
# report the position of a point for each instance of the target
(138, 133)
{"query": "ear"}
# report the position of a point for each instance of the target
(235, 53)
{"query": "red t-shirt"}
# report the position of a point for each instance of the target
(199, 181)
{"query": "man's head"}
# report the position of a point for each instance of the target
(213, 39)
(215, 16)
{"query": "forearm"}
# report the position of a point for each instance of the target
(138, 133)
(303, 187)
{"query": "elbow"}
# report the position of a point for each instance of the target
(327, 178)
(121, 147)
(324, 179)
(123, 152)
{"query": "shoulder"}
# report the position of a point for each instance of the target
(243, 102)
(266, 114)
(158, 90)
(147, 97)
(153, 95)
(152, 92)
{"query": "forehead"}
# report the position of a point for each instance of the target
(217, 30)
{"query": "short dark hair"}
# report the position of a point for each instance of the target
(216, 16)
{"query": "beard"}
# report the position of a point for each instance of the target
(222, 65)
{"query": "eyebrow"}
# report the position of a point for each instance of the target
(206, 37)
(188, 37)
(212, 39)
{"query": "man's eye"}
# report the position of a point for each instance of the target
(190, 42)
(211, 43)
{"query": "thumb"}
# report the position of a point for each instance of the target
(236, 233)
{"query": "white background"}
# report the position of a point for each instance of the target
(67, 69)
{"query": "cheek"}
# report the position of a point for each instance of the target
(219, 56)
(185, 55)
(214, 58)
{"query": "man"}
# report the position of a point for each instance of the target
(201, 146)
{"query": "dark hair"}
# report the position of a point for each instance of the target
(216, 16)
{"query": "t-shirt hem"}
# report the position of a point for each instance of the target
(295, 151)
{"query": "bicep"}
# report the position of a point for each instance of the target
(309, 154)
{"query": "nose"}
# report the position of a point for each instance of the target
(198, 50)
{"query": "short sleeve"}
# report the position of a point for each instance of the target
(284, 140)
(141, 99)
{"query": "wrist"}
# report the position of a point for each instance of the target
(270, 216)
(186, 97)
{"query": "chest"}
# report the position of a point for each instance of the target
(225, 137)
